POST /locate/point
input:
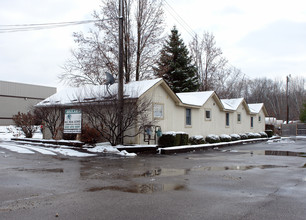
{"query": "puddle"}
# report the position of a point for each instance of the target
(142, 188)
(237, 167)
(54, 170)
(270, 153)
(285, 153)
(165, 172)
(178, 172)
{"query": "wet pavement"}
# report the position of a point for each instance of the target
(253, 181)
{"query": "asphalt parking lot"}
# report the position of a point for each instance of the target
(252, 181)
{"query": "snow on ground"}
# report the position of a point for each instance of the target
(283, 140)
(107, 148)
(16, 148)
(8, 132)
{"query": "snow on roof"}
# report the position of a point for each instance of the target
(98, 92)
(194, 98)
(231, 104)
(256, 107)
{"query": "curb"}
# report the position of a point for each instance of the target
(189, 148)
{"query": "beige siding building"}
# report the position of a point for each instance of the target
(196, 113)
(19, 97)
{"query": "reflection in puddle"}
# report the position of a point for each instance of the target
(237, 167)
(142, 188)
(177, 172)
(54, 170)
(165, 172)
(285, 153)
(270, 153)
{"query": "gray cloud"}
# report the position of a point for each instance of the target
(282, 38)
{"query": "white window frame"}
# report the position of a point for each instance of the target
(227, 119)
(239, 121)
(205, 114)
(188, 125)
(158, 111)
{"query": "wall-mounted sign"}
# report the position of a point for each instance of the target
(73, 121)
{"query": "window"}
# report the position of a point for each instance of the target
(238, 118)
(188, 116)
(227, 119)
(158, 111)
(207, 115)
(259, 118)
(252, 120)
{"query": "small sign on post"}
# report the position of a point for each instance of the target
(73, 121)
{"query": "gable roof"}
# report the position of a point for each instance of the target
(256, 107)
(194, 98)
(89, 93)
(231, 104)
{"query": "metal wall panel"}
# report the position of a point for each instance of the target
(18, 97)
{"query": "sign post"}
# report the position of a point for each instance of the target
(73, 121)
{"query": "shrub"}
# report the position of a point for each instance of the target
(167, 140)
(269, 133)
(251, 135)
(235, 137)
(178, 138)
(263, 134)
(184, 139)
(89, 135)
(27, 122)
(212, 138)
(243, 136)
(195, 140)
(225, 138)
(257, 135)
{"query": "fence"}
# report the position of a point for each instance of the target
(298, 129)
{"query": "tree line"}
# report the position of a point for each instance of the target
(200, 66)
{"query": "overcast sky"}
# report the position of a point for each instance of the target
(262, 37)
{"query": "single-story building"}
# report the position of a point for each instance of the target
(20, 97)
(196, 113)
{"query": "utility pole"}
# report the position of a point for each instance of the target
(287, 96)
(120, 82)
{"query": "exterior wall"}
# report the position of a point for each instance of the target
(18, 97)
(258, 126)
(245, 124)
(175, 117)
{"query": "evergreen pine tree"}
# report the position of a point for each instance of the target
(175, 65)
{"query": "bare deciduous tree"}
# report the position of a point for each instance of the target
(103, 116)
(97, 51)
(51, 117)
(209, 59)
(273, 94)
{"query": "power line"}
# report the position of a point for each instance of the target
(42, 26)
(179, 19)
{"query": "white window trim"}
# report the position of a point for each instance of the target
(186, 125)
(239, 122)
(227, 113)
(207, 119)
(163, 111)
(252, 124)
